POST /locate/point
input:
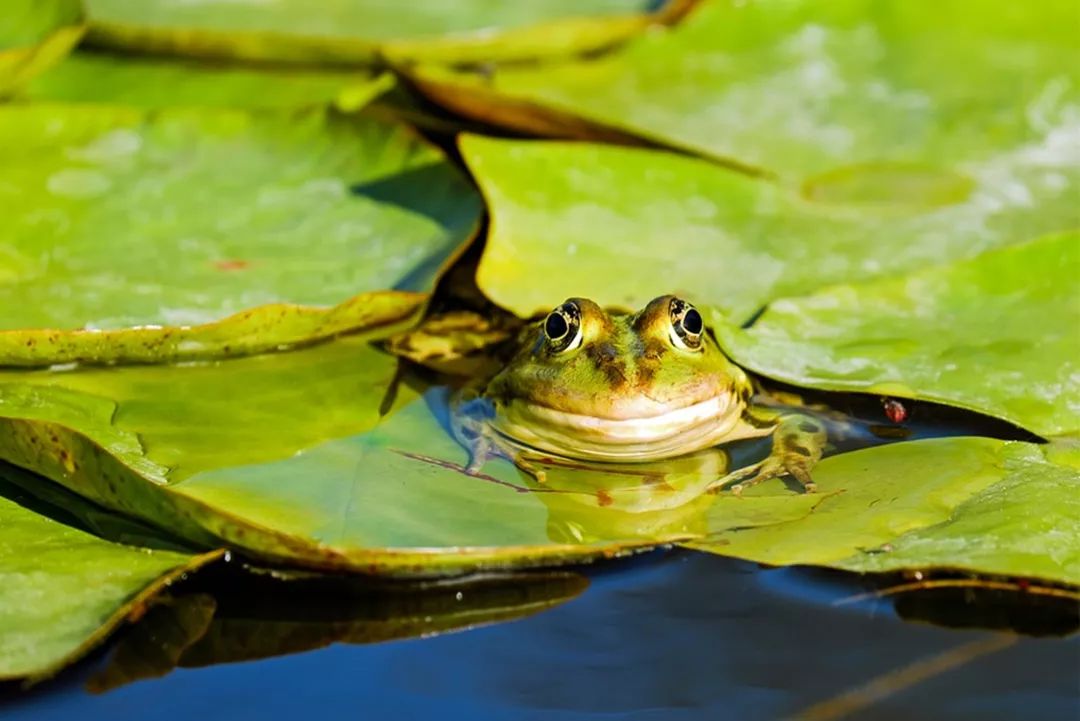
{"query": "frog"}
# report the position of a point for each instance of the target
(612, 387)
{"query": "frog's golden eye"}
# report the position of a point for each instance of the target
(686, 325)
(562, 327)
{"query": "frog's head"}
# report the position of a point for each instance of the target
(592, 384)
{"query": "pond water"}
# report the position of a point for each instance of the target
(668, 635)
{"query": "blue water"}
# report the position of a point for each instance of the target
(670, 635)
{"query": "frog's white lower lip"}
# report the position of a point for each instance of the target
(678, 431)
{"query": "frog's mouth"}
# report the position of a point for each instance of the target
(664, 435)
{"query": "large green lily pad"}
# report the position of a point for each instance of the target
(116, 217)
(62, 590)
(972, 504)
(999, 334)
(34, 34)
(800, 89)
(361, 32)
(169, 82)
(284, 457)
(624, 225)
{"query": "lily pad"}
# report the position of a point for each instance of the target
(996, 334)
(264, 328)
(284, 457)
(34, 34)
(962, 503)
(362, 32)
(623, 226)
(798, 89)
(62, 590)
(169, 82)
(117, 217)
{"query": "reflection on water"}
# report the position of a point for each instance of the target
(666, 636)
(230, 616)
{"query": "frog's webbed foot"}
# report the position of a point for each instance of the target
(469, 428)
(798, 442)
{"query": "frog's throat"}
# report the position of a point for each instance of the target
(672, 433)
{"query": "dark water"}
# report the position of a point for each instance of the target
(669, 635)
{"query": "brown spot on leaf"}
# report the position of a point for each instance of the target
(232, 264)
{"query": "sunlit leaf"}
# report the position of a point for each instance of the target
(63, 590)
(167, 82)
(263, 328)
(999, 334)
(802, 89)
(116, 217)
(974, 504)
(622, 226)
(34, 34)
(283, 457)
(360, 32)
(280, 456)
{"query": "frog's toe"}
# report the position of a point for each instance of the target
(799, 469)
(743, 478)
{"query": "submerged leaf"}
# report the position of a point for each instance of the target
(63, 590)
(117, 218)
(997, 334)
(623, 226)
(973, 504)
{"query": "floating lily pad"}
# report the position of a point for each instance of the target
(169, 82)
(799, 89)
(62, 590)
(361, 32)
(999, 334)
(116, 217)
(624, 225)
(34, 34)
(284, 457)
(973, 504)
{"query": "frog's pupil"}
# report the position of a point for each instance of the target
(692, 322)
(555, 326)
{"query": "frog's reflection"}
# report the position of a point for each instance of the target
(593, 502)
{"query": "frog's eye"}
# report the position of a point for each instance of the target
(686, 325)
(562, 327)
